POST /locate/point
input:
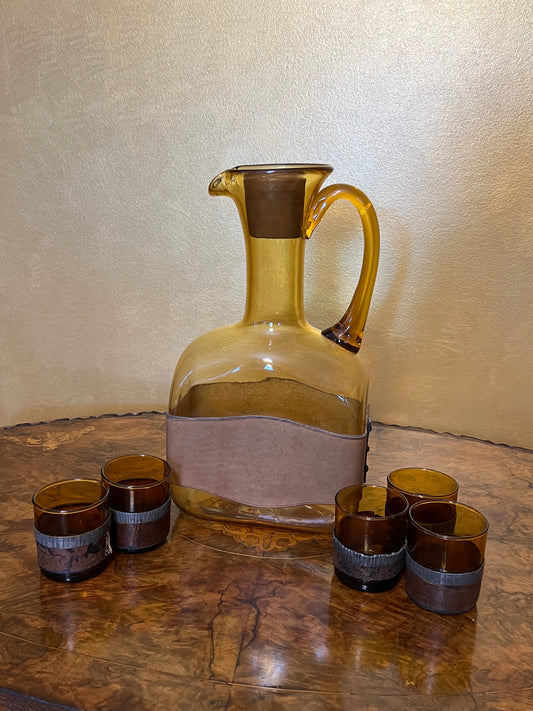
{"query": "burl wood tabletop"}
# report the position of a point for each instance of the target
(237, 617)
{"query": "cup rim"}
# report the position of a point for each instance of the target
(421, 493)
(103, 485)
(120, 485)
(445, 536)
(356, 514)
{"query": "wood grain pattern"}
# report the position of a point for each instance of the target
(229, 617)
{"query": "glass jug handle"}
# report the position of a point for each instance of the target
(348, 332)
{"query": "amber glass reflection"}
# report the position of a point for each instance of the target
(273, 363)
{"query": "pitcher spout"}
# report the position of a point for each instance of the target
(219, 184)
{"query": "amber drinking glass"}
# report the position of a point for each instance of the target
(421, 484)
(369, 537)
(259, 410)
(71, 523)
(139, 499)
(444, 570)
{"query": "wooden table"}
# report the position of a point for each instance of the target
(235, 618)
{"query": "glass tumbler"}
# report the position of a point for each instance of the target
(444, 563)
(139, 499)
(71, 524)
(369, 537)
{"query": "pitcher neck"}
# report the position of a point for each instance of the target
(274, 203)
(275, 275)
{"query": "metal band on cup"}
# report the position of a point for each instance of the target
(68, 542)
(350, 562)
(141, 516)
(438, 577)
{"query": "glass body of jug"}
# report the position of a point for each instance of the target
(268, 418)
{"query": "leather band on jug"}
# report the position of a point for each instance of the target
(263, 461)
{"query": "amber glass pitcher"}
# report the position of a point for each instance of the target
(268, 417)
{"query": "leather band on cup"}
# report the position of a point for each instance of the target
(439, 577)
(379, 567)
(68, 542)
(141, 516)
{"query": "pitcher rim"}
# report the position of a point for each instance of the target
(282, 166)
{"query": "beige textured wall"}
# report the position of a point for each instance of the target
(115, 115)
